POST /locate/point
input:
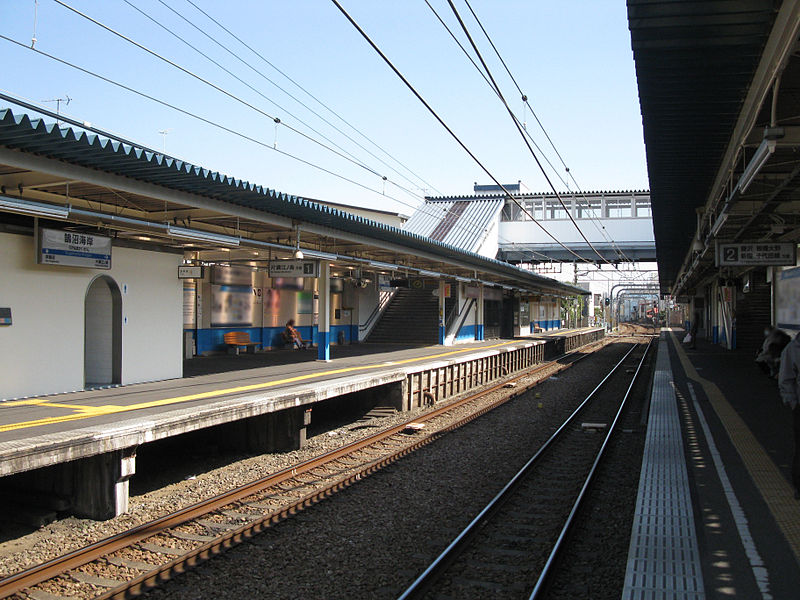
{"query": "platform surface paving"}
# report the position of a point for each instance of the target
(663, 559)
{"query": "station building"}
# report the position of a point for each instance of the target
(118, 262)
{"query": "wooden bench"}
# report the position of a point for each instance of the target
(237, 339)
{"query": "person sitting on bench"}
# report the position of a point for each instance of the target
(291, 335)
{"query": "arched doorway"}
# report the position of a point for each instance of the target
(102, 349)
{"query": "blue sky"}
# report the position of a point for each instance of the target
(573, 60)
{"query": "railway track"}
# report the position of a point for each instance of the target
(508, 550)
(126, 564)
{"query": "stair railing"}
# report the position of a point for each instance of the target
(454, 326)
(384, 298)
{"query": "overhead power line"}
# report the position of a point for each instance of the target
(519, 128)
(599, 226)
(442, 123)
(192, 115)
(601, 229)
(273, 83)
(309, 94)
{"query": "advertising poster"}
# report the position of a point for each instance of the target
(231, 306)
(305, 303)
(788, 299)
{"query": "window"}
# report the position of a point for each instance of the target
(643, 208)
(619, 207)
(555, 210)
(588, 208)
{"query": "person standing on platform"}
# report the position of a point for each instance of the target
(695, 325)
(789, 385)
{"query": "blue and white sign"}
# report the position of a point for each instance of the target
(72, 249)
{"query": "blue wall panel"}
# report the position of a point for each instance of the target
(212, 340)
(467, 332)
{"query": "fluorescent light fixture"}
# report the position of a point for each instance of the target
(196, 235)
(723, 216)
(463, 279)
(36, 209)
(428, 273)
(760, 157)
(382, 265)
(322, 255)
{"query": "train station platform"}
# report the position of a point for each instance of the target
(716, 515)
(82, 445)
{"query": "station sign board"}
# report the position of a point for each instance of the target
(294, 268)
(757, 254)
(71, 249)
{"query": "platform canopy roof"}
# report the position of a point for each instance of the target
(718, 88)
(94, 182)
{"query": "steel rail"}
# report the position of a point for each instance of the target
(425, 581)
(52, 568)
(545, 573)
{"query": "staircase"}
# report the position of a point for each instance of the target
(412, 317)
(753, 313)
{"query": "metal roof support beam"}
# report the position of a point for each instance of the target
(777, 51)
(72, 172)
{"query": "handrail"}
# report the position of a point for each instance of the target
(460, 318)
(383, 302)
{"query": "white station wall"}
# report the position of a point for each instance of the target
(42, 352)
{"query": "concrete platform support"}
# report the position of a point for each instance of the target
(273, 432)
(94, 488)
(391, 395)
(100, 484)
(286, 429)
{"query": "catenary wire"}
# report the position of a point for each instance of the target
(522, 134)
(441, 122)
(525, 134)
(192, 115)
(290, 95)
(214, 86)
(599, 226)
(251, 87)
(544, 131)
(231, 131)
(171, 63)
(326, 107)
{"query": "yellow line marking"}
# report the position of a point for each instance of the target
(93, 411)
(28, 402)
(775, 490)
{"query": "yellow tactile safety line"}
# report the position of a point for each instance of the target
(775, 490)
(84, 412)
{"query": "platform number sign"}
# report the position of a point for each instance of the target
(730, 255)
(757, 254)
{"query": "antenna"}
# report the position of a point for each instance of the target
(164, 133)
(66, 100)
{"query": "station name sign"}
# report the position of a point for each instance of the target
(294, 268)
(757, 254)
(72, 249)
